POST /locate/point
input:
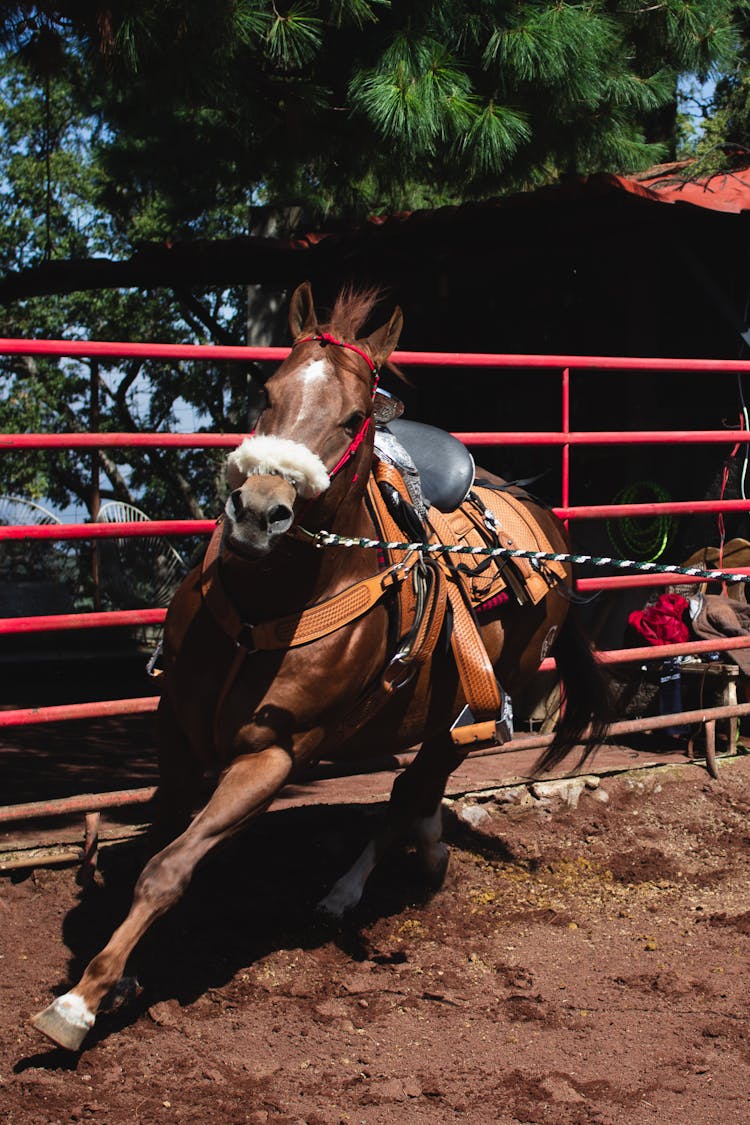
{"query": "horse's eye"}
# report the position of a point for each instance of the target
(353, 423)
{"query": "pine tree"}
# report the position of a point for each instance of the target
(723, 108)
(49, 211)
(355, 105)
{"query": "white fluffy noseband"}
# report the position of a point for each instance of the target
(282, 457)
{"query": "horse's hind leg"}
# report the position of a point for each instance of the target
(246, 787)
(414, 807)
(433, 853)
(180, 778)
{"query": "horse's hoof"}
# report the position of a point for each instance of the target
(328, 916)
(436, 867)
(66, 1021)
(334, 907)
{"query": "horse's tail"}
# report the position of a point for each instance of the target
(588, 692)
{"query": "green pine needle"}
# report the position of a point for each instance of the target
(294, 37)
(416, 94)
(356, 12)
(494, 136)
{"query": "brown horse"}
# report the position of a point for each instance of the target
(259, 711)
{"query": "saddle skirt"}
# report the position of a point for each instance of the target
(488, 517)
(496, 517)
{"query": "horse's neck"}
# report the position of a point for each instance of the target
(296, 573)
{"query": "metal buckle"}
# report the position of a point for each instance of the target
(397, 664)
(244, 638)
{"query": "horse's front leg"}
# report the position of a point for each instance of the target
(246, 787)
(414, 808)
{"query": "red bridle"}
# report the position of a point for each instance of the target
(325, 338)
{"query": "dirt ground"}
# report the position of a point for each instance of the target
(585, 962)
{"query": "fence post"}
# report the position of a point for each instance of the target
(95, 494)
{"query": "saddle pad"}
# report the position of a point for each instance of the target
(516, 529)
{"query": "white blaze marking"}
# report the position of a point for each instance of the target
(311, 377)
(314, 371)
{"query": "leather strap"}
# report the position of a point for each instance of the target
(431, 614)
(390, 531)
(477, 675)
(422, 603)
(297, 628)
(400, 670)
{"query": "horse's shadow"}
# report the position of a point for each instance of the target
(256, 895)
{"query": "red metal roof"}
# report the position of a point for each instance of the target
(677, 182)
(672, 183)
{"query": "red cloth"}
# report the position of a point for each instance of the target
(662, 623)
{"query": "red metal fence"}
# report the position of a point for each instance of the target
(564, 438)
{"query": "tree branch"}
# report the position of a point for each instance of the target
(234, 261)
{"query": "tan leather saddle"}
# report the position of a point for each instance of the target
(425, 585)
(487, 517)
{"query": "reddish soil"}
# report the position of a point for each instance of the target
(581, 965)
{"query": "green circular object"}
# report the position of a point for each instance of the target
(642, 537)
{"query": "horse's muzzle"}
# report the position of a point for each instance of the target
(259, 513)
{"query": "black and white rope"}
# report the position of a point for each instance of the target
(331, 539)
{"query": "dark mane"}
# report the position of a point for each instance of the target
(351, 311)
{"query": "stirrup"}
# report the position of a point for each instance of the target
(468, 734)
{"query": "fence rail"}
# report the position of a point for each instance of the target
(565, 439)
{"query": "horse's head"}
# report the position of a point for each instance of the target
(316, 428)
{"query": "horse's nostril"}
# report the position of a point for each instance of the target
(279, 514)
(237, 504)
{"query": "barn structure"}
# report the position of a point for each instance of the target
(602, 266)
(656, 265)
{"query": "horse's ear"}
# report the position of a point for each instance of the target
(383, 340)
(302, 318)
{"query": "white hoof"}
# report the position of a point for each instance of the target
(348, 891)
(66, 1021)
